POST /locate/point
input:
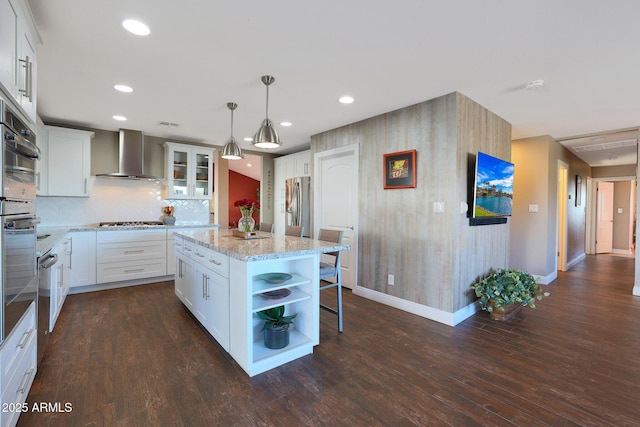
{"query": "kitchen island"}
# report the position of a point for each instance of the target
(219, 278)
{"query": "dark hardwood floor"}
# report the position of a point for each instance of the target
(135, 357)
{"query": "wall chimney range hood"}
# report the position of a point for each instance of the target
(131, 156)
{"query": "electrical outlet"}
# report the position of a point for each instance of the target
(390, 279)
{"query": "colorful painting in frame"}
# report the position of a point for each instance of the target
(400, 170)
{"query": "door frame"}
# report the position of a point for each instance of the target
(347, 150)
(561, 225)
(590, 244)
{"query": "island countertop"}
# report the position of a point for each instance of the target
(266, 246)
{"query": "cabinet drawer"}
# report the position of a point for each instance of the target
(16, 390)
(131, 236)
(214, 261)
(16, 345)
(131, 270)
(131, 251)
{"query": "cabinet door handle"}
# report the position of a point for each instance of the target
(204, 294)
(26, 66)
(213, 261)
(135, 270)
(138, 251)
(25, 338)
(199, 254)
(207, 287)
(23, 387)
(84, 186)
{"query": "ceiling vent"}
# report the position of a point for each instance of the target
(605, 146)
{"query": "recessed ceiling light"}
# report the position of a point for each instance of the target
(598, 138)
(346, 99)
(120, 118)
(285, 124)
(534, 84)
(123, 88)
(248, 139)
(249, 165)
(136, 27)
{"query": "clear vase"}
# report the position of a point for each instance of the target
(246, 222)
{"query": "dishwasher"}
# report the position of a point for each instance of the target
(45, 265)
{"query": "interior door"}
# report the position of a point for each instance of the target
(337, 203)
(604, 218)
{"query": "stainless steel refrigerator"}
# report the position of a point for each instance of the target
(298, 203)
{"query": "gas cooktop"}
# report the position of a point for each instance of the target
(130, 224)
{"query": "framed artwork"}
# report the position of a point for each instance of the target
(578, 190)
(400, 170)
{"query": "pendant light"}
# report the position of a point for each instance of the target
(266, 136)
(231, 150)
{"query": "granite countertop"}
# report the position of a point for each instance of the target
(267, 246)
(55, 233)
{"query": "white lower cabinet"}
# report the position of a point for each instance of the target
(247, 343)
(18, 361)
(82, 262)
(131, 255)
(59, 280)
(202, 284)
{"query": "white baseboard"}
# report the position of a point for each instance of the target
(575, 261)
(545, 280)
(622, 251)
(421, 310)
(636, 291)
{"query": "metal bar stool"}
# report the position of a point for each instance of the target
(329, 270)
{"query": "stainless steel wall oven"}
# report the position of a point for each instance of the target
(18, 220)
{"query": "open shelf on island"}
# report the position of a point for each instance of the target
(260, 352)
(260, 286)
(296, 295)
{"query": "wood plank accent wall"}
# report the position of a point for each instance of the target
(435, 257)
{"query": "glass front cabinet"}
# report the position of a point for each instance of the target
(189, 171)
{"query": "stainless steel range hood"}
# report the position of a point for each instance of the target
(131, 156)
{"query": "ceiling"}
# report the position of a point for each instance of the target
(387, 55)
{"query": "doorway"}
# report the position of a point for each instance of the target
(614, 216)
(336, 202)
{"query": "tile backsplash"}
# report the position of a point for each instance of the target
(119, 200)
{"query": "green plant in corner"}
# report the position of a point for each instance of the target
(505, 287)
(275, 318)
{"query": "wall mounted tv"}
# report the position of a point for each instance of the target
(492, 190)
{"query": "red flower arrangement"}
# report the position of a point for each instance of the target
(168, 210)
(247, 204)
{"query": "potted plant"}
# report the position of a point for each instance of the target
(502, 294)
(276, 327)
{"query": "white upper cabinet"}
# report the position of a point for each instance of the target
(18, 60)
(68, 157)
(189, 171)
(301, 164)
(8, 46)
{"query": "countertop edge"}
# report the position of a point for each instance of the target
(266, 256)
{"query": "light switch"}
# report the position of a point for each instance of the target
(533, 208)
(438, 207)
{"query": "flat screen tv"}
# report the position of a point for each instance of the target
(493, 187)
